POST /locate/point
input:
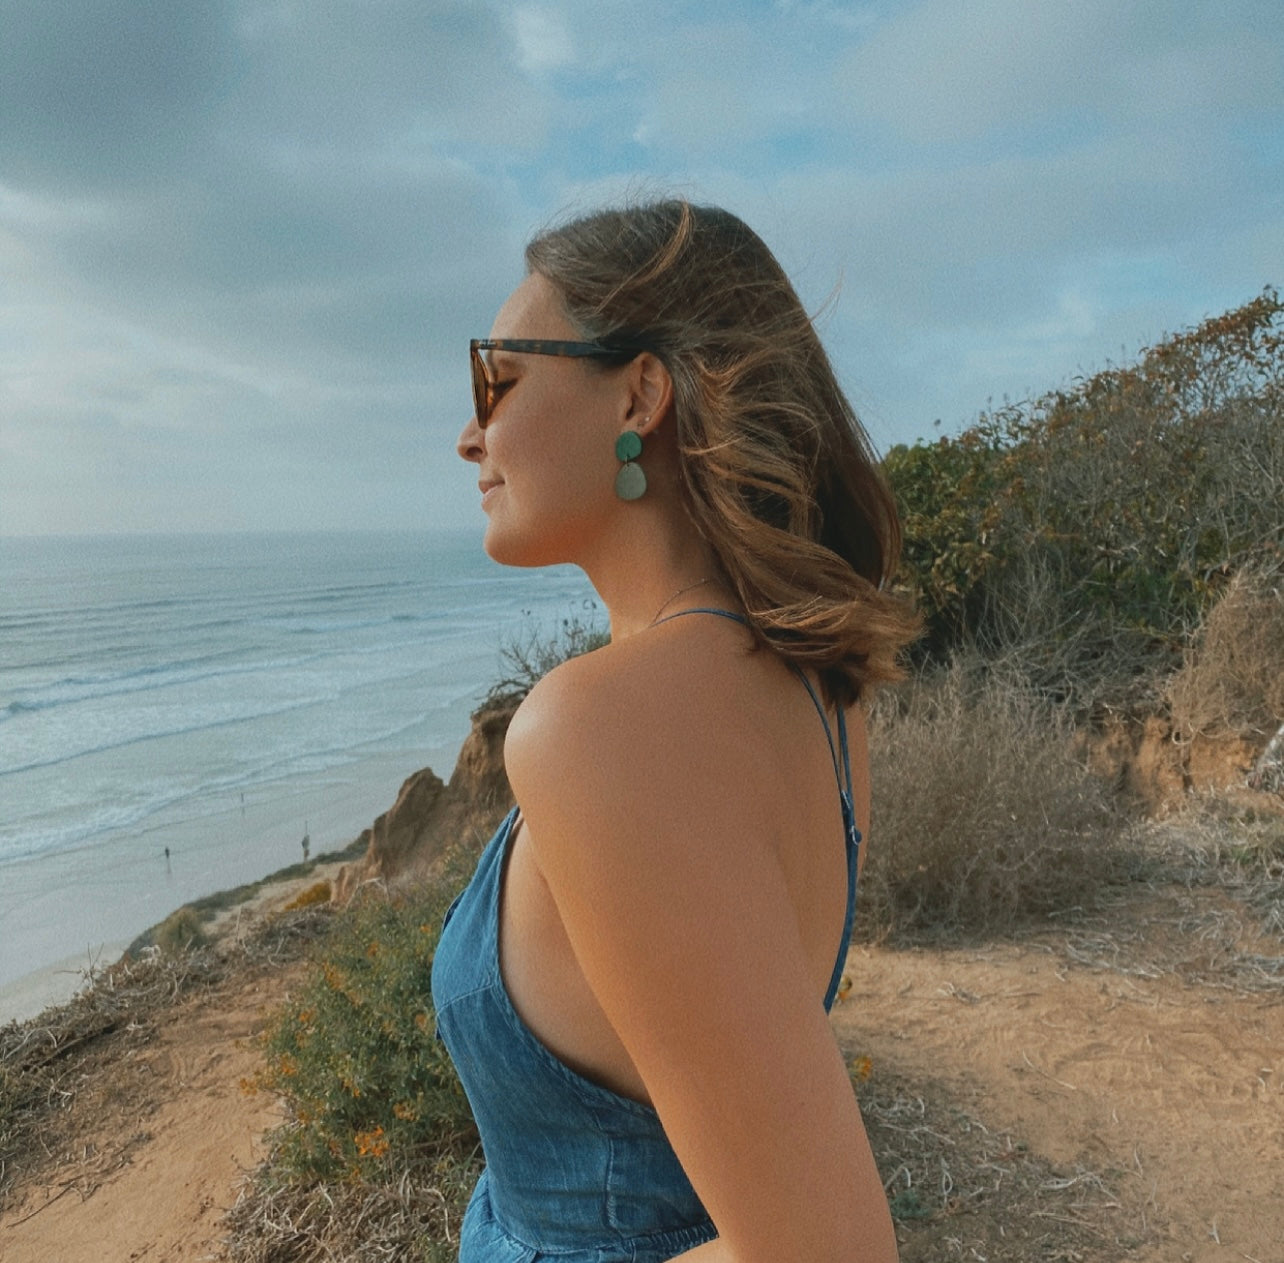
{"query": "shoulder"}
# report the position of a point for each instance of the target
(660, 716)
(663, 684)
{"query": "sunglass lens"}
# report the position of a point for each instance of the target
(481, 391)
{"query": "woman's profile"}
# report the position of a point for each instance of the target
(635, 984)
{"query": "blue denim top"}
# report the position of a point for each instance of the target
(574, 1171)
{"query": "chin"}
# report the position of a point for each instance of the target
(509, 548)
(525, 548)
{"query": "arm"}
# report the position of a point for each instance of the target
(654, 849)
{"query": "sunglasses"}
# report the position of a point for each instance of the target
(484, 387)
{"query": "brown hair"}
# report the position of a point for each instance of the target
(778, 473)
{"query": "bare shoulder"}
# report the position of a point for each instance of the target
(648, 711)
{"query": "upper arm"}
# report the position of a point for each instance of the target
(679, 915)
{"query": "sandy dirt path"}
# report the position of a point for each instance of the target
(1173, 1092)
(177, 1117)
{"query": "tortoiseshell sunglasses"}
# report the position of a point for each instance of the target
(484, 388)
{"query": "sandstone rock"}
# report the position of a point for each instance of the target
(1148, 761)
(413, 835)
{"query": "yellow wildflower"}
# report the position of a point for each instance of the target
(371, 1144)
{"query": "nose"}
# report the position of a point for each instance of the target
(472, 442)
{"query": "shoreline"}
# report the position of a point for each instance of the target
(69, 913)
(51, 986)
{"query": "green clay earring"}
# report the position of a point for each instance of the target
(630, 482)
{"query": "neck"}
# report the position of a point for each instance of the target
(658, 566)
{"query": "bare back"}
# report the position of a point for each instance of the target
(741, 737)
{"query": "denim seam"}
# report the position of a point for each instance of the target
(686, 1237)
(610, 1207)
(443, 1009)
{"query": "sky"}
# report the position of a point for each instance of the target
(243, 243)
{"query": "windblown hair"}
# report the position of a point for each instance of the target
(778, 473)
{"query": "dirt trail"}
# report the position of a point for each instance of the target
(1173, 1092)
(177, 1118)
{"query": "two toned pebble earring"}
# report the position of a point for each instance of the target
(630, 481)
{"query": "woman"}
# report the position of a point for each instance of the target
(635, 984)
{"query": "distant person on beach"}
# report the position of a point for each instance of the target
(640, 1021)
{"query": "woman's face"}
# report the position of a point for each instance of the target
(546, 459)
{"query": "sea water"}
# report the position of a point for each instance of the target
(177, 713)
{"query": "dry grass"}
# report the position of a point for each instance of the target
(1232, 681)
(531, 654)
(987, 821)
(1206, 905)
(985, 815)
(961, 1190)
(41, 1060)
(48, 1062)
(415, 1215)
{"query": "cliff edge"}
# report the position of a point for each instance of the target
(429, 817)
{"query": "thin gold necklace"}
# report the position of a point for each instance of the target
(680, 592)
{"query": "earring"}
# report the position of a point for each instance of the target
(630, 481)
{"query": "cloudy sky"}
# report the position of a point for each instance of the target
(243, 243)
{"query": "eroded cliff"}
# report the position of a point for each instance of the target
(430, 817)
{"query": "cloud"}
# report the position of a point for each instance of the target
(100, 93)
(543, 39)
(242, 243)
(400, 76)
(936, 73)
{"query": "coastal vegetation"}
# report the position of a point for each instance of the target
(1088, 719)
(375, 1103)
(1077, 540)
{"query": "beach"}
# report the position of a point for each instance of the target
(178, 712)
(89, 901)
(1098, 1086)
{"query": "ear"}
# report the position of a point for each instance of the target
(651, 393)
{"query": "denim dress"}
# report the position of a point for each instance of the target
(575, 1173)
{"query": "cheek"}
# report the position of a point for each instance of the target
(559, 488)
(558, 452)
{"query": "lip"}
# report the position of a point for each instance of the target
(486, 486)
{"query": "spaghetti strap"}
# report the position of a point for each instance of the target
(705, 609)
(843, 775)
(824, 719)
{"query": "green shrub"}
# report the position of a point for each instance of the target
(380, 1151)
(1086, 531)
(370, 1090)
(319, 892)
(181, 931)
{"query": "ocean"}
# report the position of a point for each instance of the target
(177, 712)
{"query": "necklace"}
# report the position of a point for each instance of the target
(680, 592)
